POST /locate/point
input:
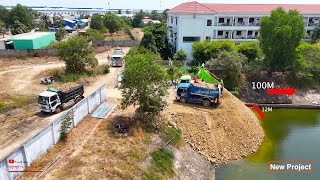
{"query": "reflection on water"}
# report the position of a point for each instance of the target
(290, 135)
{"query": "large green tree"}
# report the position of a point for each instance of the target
(77, 53)
(280, 35)
(159, 33)
(4, 16)
(3, 28)
(22, 14)
(96, 22)
(136, 22)
(251, 50)
(144, 83)
(181, 55)
(19, 28)
(113, 22)
(230, 63)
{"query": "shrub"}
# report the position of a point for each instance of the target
(68, 77)
(65, 126)
(251, 50)
(106, 69)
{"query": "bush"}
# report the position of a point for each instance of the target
(68, 77)
(251, 50)
(94, 34)
(162, 161)
(171, 134)
(106, 69)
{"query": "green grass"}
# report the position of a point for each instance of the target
(151, 176)
(171, 134)
(162, 161)
(68, 77)
(14, 102)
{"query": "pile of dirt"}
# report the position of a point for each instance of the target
(221, 134)
(65, 86)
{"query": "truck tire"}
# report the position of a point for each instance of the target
(183, 100)
(78, 99)
(206, 103)
(58, 110)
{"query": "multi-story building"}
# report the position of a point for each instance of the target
(192, 21)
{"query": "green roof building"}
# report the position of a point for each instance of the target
(33, 40)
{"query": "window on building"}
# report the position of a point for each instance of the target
(251, 20)
(249, 33)
(220, 33)
(221, 20)
(171, 20)
(208, 38)
(176, 21)
(191, 39)
(209, 22)
(238, 33)
(240, 20)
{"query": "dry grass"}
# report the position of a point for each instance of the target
(101, 49)
(137, 33)
(117, 36)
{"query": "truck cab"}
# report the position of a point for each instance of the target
(116, 60)
(185, 79)
(48, 101)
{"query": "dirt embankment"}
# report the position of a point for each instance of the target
(221, 134)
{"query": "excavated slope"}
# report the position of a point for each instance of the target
(228, 132)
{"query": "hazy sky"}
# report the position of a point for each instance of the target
(140, 4)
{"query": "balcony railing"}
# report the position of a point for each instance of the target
(240, 24)
(224, 24)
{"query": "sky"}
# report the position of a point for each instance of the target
(140, 4)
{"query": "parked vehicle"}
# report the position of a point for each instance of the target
(54, 100)
(116, 60)
(185, 79)
(118, 51)
(47, 80)
(190, 93)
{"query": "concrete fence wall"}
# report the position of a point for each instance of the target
(33, 148)
(130, 43)
(21, 52)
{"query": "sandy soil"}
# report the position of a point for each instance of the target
(221, 134)
(137, 33)
(21, 124)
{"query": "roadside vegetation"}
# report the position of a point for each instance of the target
(8, 102)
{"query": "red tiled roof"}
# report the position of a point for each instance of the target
(206, 8)
(192, 7)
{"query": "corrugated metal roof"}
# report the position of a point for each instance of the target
(210, 8)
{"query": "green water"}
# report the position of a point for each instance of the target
(290, 135)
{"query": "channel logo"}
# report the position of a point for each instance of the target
(11, 161)
(299, 166)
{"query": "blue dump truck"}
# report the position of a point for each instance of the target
(198, 93)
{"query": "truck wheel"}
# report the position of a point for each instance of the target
(58, 110)
(183, 100)
(206, 103)
(78, 99)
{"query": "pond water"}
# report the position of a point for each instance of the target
(290, 135)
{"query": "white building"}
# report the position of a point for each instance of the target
(192, 21)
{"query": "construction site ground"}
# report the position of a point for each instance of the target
(20, 78)
(211, 136)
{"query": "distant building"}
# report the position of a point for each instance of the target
(32, 40)
(147, 21)
(192, 21)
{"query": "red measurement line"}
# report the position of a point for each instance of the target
(255, 107)
(28, 171)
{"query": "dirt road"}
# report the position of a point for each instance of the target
(24, 123)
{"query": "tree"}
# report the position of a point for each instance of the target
(136, 22)
(230, 63)
(280, 35)
(159, 32)
(144, 84)
(149, 42)
(181, 55)
(251, 50)
(3, 28)
(76, 52)
(4, 16)
(46, 21)
(316, 34)
(113, 22)
(96, 22)
(19, 28)
(60, 34)
(174, 71)
(24, 15)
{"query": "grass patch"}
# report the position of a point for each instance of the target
(11, 102)
(162, 161)
(171, 134)
(151, 176)
(68, 77)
